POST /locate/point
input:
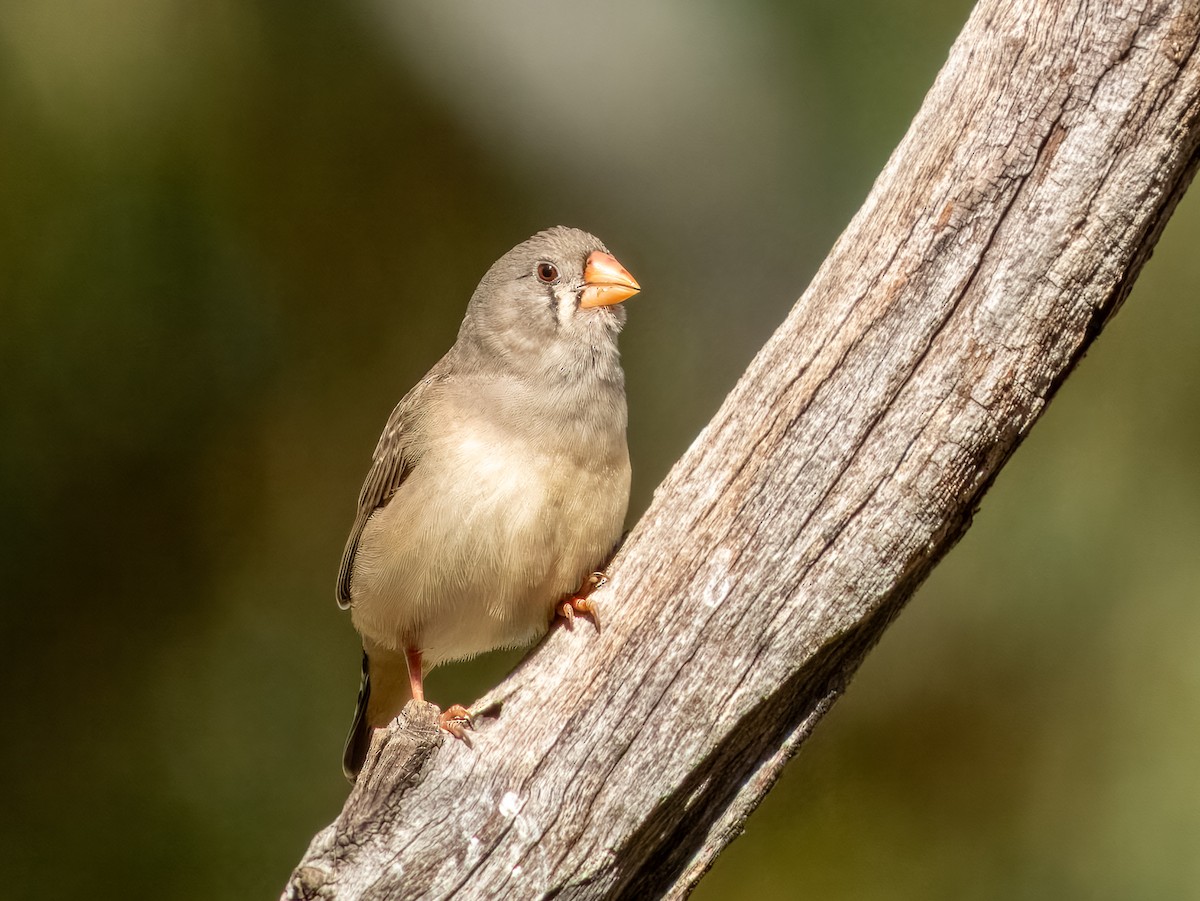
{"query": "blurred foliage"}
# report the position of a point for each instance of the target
(233, 234)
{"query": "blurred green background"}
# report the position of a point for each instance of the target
(232, 235)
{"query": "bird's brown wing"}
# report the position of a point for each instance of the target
(394, 457)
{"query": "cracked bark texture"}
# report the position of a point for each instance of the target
(1005, 230)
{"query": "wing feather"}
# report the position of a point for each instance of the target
(394, 458)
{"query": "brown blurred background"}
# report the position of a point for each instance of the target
(232, 235)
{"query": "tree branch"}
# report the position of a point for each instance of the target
(1006, 229)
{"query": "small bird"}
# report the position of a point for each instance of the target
(500, 481)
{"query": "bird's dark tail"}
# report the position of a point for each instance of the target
(359, 739)
(385, 690)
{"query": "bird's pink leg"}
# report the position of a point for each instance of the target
(415, 674)
(455, 719)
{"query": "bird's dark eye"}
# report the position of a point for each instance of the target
(547, 272)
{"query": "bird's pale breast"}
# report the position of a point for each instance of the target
(472, 554)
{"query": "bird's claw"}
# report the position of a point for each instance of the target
(456, 720)
(580, 603)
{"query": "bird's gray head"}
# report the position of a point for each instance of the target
(552, 302)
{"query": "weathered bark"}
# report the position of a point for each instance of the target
(1004, 232)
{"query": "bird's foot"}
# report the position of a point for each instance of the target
(456, 720)
(580, 603)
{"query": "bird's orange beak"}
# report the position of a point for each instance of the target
(606, 281)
